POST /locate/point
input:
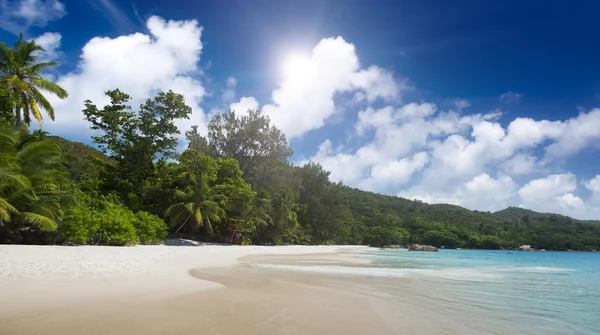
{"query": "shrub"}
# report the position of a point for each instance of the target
(491, 242)
(99, 221)
(76, 226)
(149, 228)
(114, 225)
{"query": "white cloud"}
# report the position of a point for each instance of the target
(305, 98)
(50, 42)
(593, 184)
(577, 134)
(241, 107)
(511, 97)
(390, 174)
(138, 64)
(18, 16)
(463, 153)
(229, 92)
(482, 192)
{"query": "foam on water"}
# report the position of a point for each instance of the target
(449, 273)
(552, 292)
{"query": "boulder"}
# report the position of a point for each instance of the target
(525, 247)
(393, 246)
(421, 247)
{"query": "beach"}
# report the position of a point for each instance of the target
(216, 289)
(167, 289)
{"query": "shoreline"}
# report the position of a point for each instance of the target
(40, 278)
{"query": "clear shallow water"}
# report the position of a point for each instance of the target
(522, 292)
(552, 292)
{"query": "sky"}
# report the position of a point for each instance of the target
(482, 104)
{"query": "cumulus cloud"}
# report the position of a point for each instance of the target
(50, 42)
(305, 99)
(140, 65)
(511, 97)
(18, 16)
(241, 107)
(469, 160)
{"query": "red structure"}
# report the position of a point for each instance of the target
(235, 234)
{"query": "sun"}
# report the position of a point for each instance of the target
(297, 67)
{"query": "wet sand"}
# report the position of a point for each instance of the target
(259, 296)
(252, 300)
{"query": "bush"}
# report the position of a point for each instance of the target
(99, 221)
(442, 238)
(491, 242)
(76, 226)
(114, 225)
(149, 228)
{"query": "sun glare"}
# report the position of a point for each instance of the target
(297, 66)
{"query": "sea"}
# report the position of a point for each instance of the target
(496, 292)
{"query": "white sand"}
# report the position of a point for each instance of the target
(35, 278)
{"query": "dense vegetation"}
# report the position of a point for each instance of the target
(139, 189)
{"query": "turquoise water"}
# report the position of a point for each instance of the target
(484, 292)
(549, 292)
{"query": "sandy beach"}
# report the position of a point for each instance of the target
(215, 289)
(170, 289)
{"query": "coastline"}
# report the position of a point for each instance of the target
(40, 278)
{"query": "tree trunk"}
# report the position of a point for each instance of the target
(18, 117)
(184, 222)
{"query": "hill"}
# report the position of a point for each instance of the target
(364, 217)
(517, 213)
(79, 149)
(84, 162)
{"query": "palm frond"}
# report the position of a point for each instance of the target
(39, 221)
(12, 179)
(43, 102)
(6, 210)
(35, 111)
(36, 70)
(49, 86)
(198, 217)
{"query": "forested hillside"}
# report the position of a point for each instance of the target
(370, 218)
(235, 184)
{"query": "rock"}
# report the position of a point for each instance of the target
(525, 247)
(393, 246)
(421, 247)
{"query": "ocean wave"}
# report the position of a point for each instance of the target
(447, 273)
(535, 269)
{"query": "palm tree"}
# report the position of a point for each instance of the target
(284, 216)
(22, 75)
(197, 203)
(30, 179)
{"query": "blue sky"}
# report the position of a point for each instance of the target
(476, 103)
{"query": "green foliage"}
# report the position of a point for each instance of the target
(134, 140)
(442, 238)
(103, 220)
(31, 183)
(99, 220)
(250, 139)
(236, 177)
(7, 105)
(149, 228)
(21, 75)
(491, 242)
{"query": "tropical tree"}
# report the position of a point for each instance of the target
(284, 216)
(196, 206)
(135, 140)
(22, 75)
(30, 180)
